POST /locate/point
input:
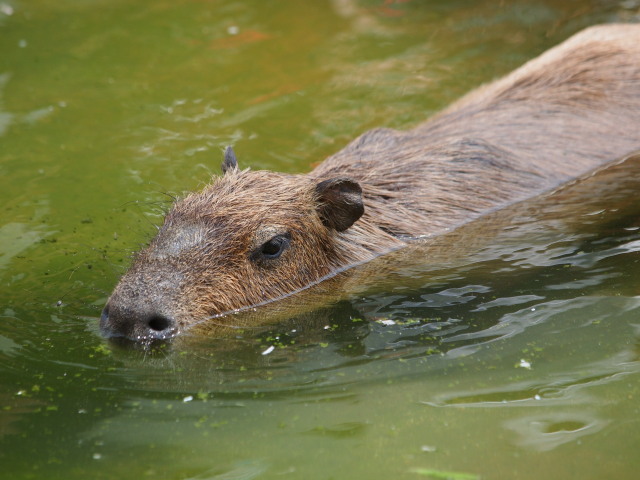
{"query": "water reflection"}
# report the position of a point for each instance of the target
(15, 238)
(7, 119)
(544, 432)
(242, 470)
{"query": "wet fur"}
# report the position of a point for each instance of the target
(565, 113)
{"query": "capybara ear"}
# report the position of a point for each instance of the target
(230, 161)
(339, 202)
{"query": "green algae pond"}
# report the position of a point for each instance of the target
(518, 360)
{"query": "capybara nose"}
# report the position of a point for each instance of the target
(139, 324)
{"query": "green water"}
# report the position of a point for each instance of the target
(522, 363)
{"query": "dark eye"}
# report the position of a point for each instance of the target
(272, 248)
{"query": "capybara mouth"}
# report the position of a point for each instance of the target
(150, 347)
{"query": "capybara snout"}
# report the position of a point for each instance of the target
(254, 236)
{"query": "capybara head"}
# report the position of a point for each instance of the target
(247, 238)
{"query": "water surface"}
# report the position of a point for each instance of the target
(517, 357)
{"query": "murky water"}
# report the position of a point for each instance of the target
(519, 358)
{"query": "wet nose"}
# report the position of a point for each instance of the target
(138, 324)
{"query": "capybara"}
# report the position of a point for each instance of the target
(255, 236)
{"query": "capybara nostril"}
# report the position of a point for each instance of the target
(161, 323)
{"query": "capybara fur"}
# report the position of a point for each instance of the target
(254, 236)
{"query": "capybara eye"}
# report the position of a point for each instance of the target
(274, 247)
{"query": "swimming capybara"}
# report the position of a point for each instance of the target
(253, 236)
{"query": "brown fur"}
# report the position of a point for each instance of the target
(565, 113)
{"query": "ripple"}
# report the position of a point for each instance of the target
(546, 431)
(242, 470)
